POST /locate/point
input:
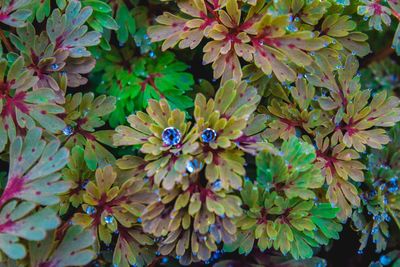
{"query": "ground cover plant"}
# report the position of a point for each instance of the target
(199, 132)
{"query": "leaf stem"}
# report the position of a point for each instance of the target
(5, 41)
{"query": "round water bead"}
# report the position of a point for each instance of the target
(54, 66)
(208, 135)
(217, 185)
(193, 165)
(109, 219)
(171, 136)
(90, 210)
(385, 260)
(68, 130)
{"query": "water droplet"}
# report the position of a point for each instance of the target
(109, 219)
(342, 2)
(217, 185)
(208, 135)
(385, 260)
(292, 28)
(392, 185)
(54, 66)
(193, 165)
(90, 210)
(171, 136)
(164, 260)
(68, 130)
(139, 220)
(377, 218)
(359, 252)
(152, 54)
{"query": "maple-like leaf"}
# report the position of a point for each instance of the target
(150, 131)
(83, 114)
(199, 216)
(77, 174)
(257, 37)
(375, 13)
(53, 66)
(114, 204)
(14, 13)
(135, 80)
(34, 170)
(66, 30)
(291, 172)
(22, 221)
(74, 249)
(22, 107)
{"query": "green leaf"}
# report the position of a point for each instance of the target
(34, 166)
(22, 221)
(73, 250)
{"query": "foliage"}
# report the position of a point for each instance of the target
(83, 114)
(258, 36)
(279, 208)
(117, 152)
(22, 107)
(380, 198)
(196, 167)
(381, 75)
(340, 118)
(14, 13)
(71, 250)
(33, 181)
(390, 258)
(135, 80)
(113, 205)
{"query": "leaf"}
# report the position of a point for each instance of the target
(73, 250)
(34, 166)
(21, 221)
(66, 30)
(15, 13)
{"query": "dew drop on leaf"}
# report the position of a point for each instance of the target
(68, 130)
(90, 210)
(109, 219)
(171, 136)
(208, 135)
